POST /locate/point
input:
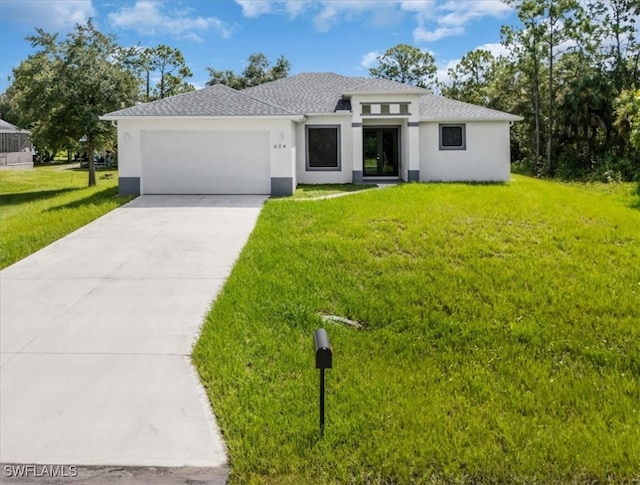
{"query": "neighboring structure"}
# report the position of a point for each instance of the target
(16, 150)
(309, 128)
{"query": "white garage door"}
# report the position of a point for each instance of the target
(179, 162)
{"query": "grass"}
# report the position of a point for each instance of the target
(39, 206)
(500, 342)
(304, 191)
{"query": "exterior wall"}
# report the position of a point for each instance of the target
(16, 159)
(281, 134)
(342, 176)
(408, 123)
(486, 158)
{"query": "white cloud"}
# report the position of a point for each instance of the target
(420, 34)
(438, 20)
(496, 49)
(149, 18)
(435, 19)
(332, 12)
(296, 7)
(369, 59)
(326, 13)
(442, 75)
(253, 8)
(52, 15)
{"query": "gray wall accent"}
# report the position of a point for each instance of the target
(356, 125)
(413, 176)
(282, 186)
(129, 186)
(413, 123)
(357, 177)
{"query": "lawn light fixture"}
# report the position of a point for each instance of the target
(324, 360)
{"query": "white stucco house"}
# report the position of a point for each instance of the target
(309, 128)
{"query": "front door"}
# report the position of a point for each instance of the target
(381, 154)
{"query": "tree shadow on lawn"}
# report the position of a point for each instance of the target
(24, 197)
(106, 195)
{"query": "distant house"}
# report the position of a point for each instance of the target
(16, 150)
(312, 128)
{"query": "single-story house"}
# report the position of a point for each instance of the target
(16, 150)
(312, 128)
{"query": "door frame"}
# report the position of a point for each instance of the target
(397, 129)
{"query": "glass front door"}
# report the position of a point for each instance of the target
(381, 154)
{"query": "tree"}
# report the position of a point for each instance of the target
(258, 71)
(628, 117)
(470, 78)
(615, 40)
(406, 64)
(63, 89)
(525, 45)
(547, 25)
(170, 66)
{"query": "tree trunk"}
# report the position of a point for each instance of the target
(147, 86)
(550, 123)
(92, 167)
(536, 99)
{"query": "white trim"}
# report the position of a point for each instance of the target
(297, 118)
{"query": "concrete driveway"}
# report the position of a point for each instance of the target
(97, 329)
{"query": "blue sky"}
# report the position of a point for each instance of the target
(341, 36)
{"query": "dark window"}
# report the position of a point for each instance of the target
(366, 109)
(323, 148)
(404, 109)
(384, 109)
(452, 137)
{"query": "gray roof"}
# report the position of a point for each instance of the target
(302, 94)
(217, 100)
(6, 127)
(320, 92)
(438, 108)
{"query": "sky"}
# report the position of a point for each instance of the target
(340, 36)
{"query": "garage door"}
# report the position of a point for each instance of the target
(178, 162)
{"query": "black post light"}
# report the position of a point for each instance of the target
(324, 360)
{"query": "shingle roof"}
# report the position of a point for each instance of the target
(320, 92)
(6, 127)
(438, 108)
(217, 100)
(304, 94)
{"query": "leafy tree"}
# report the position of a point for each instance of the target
(258, 71)
(628, 117)
(470, 78)
(526, 49)
(547, 25)
(63, 89)
(406, 64)
(169, 65)
(614, 39)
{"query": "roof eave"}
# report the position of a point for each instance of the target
(109, 117)
(469, 120)
(414, 91)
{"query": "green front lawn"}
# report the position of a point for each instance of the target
(39, 206)
(306, 191)
(500, 341)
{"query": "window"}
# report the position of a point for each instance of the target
(366, 109)
(404, 109)
(384, 109)
(453, 137)
(323, 147)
